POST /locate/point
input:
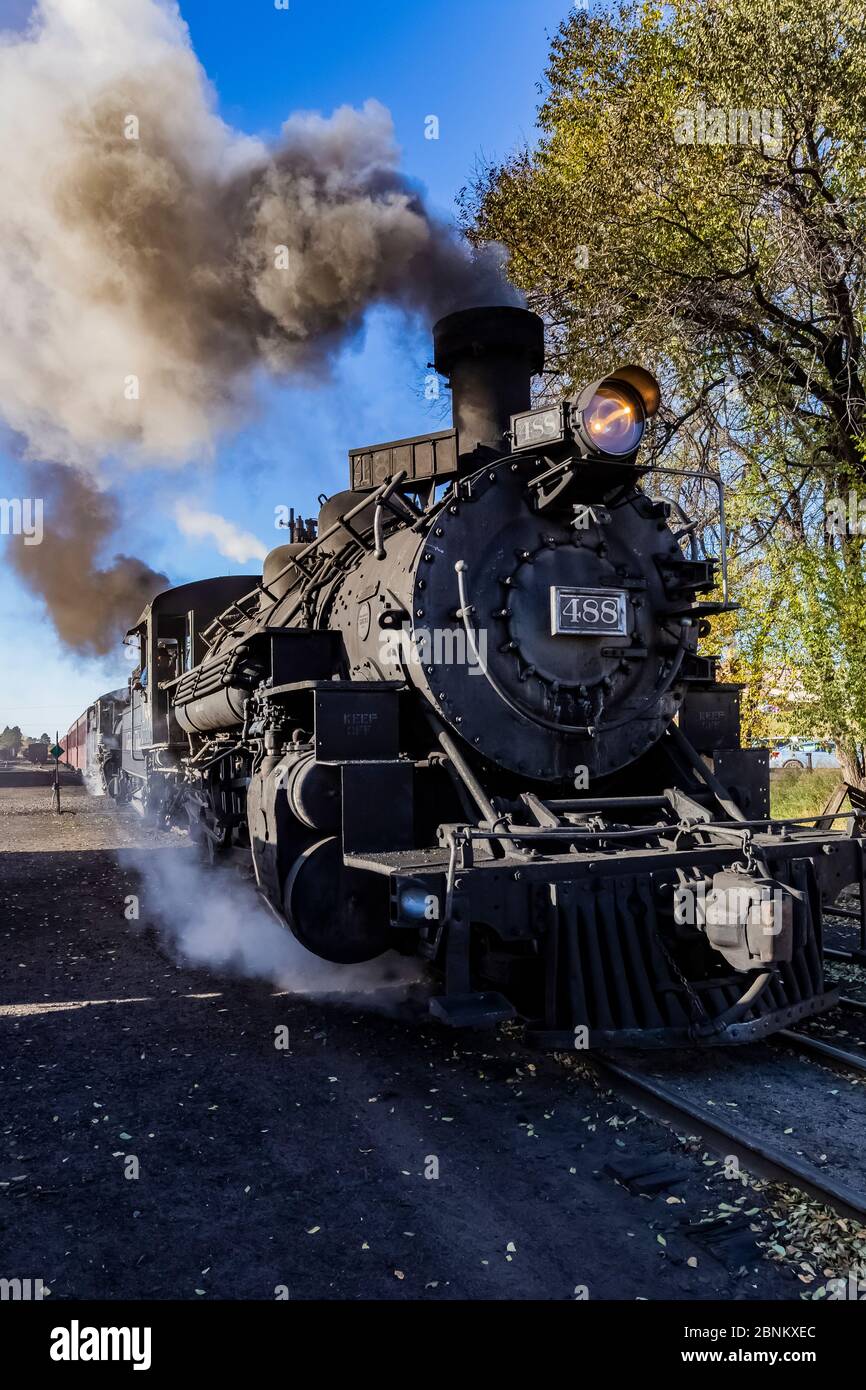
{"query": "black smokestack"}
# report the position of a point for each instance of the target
(490, 356)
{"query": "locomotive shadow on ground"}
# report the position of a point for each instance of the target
(35, 975)
(246, 1151)
(173, 1056)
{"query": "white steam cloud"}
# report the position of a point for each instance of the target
(229, 539)
(214, 919)
(152, 259)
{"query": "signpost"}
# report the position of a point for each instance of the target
(56, 753)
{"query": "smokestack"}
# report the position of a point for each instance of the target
(490, 356)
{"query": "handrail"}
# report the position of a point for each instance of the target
(574, 833)
(723, 530)
(293, 560)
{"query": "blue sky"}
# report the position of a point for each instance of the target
(475, 64)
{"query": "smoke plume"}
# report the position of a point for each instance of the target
(151, 257)
(91, 605)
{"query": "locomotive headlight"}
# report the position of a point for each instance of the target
(614, 421)
(610, 415)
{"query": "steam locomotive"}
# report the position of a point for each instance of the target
(465, 715)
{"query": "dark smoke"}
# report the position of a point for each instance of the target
(91, 607)
(152, 259)
(140, 237)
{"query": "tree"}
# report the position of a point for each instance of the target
(11, 738)
(802, 584)
(697, 202)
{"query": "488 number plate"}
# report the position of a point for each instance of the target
(588, 612)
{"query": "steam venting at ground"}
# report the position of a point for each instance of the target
(91, 604)
(151, 257)
(214, 919)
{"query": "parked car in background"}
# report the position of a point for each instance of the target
(803, 754)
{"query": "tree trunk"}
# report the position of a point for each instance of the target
(851, 758)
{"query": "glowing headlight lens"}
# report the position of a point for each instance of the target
(614, 420)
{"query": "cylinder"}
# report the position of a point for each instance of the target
(490, 356)
(313, 791)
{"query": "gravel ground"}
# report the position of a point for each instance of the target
(307, 1172)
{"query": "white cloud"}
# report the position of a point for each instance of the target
(230, 540)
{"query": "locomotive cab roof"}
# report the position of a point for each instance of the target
(213, 594)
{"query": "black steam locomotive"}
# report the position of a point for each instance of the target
(465, 715)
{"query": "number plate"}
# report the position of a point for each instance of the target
(588, 612)
(535, 428)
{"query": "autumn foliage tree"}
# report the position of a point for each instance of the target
(695, 202)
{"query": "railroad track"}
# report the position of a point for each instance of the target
(762, 1156)
(804, 1042)
(851, 955)
(759, 1155)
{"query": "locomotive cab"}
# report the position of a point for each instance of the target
(168, 638)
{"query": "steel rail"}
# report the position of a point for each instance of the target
(761, 1156)
(804, 1042)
